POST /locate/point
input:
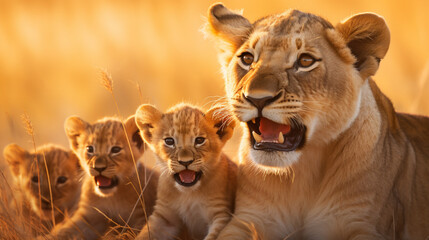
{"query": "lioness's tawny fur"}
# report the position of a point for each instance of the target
(324, 154)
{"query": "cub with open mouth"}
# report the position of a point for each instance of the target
(196, 189)
(116, 183)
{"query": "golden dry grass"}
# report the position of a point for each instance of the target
(51, 53)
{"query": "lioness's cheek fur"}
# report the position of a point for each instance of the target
(324, 154)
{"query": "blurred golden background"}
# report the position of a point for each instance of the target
(51, 52)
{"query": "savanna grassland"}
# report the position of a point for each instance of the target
(52, 51)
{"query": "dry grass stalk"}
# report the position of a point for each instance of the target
(28, 125)
(50, 189)
(107, 81)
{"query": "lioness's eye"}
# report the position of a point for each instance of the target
(90, 149)
(35, 179)
(115, 149)
(61, 179)
(169, 142)
(305, 60)
(199, 140)
(246, 58)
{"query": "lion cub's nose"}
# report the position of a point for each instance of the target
(187, 163)
(100, 164)
(99, 169)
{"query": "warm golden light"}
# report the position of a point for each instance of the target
(52, 52)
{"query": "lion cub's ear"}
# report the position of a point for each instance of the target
(222, 120)
(368, 37)
(75, 127)
(133, 133)
(147, 117)
(14, 156)
(74, 160)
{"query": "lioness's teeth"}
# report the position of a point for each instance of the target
(257, 137)
(254, 121)
(281, 138)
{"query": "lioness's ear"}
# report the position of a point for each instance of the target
(134, 133)
(229, 28)
(223, 121)
(14, 156)
(227, 25)
(147, 116)
(368, 37)
(74, 127)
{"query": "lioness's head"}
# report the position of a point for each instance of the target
(294, 78)
(104, 151)
(62, 177)
(187, 141)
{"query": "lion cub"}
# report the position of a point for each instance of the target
(37, 187)
(196, 189)
(110, 192)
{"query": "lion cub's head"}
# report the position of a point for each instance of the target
(62, 178)
(104, 151)
(187, 142)
(294, 78)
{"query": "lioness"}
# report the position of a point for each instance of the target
(324, 154)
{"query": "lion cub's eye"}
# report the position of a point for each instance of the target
(90, 149)
(246, 58)
(199, 141)
(115, 149)
(35, 179)
(169, 142)
(61, 179)
(306, 60)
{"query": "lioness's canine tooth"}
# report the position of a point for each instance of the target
(281, 138)
(257, 137)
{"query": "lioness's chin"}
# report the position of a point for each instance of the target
(267, 160)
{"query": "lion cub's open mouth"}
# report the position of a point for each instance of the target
(268, 135)
(187, 177)
(105, 182)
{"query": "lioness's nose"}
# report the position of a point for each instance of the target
(261, 102)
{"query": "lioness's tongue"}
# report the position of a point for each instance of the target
(187, 176)
(103, 181)
(270, 130)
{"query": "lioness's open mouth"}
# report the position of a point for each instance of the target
(103, 182)
(187, 177)
(268, 135)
